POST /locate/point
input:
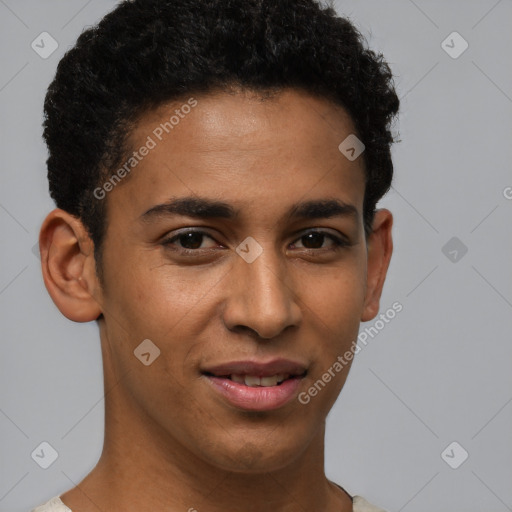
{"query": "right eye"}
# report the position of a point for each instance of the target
(190, 241)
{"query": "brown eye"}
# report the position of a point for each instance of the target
(192, 240)
(315, 240)
(187, 241)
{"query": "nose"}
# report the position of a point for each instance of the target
(261, 296)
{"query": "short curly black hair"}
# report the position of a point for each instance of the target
(148, 52)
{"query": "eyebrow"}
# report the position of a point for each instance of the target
(203, 208)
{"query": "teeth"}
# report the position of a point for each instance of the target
(269, 381)
(254, 381)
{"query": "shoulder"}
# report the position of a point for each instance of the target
(54, 505)
(361, 505)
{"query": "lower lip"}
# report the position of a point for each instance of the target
(256, 398)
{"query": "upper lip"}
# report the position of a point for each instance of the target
(257, 368)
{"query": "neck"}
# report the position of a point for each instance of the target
(142, 467)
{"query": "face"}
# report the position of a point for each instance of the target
(236, 245)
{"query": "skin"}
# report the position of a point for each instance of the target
(172, 443)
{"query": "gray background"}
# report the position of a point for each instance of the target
(439, 372)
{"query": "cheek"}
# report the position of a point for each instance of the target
(336, 305)
(163, 294)
(336, 310)
(337, 298)
(163, 305)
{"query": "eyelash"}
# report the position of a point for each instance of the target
(338, 243)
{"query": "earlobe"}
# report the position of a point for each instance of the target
(380, 248)
(67, 263)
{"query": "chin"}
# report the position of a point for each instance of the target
(259, 456)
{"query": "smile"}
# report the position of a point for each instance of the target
(256, 386)
(253, 380)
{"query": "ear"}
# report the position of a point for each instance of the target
(68, 266)
(380, 248)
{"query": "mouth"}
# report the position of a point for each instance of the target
(254, 381)
(256, 386)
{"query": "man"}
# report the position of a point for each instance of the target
(216, 167)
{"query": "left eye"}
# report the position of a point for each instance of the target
(317, 237)
(191, 241)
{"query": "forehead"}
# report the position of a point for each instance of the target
(243, 147)
(245, 115)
